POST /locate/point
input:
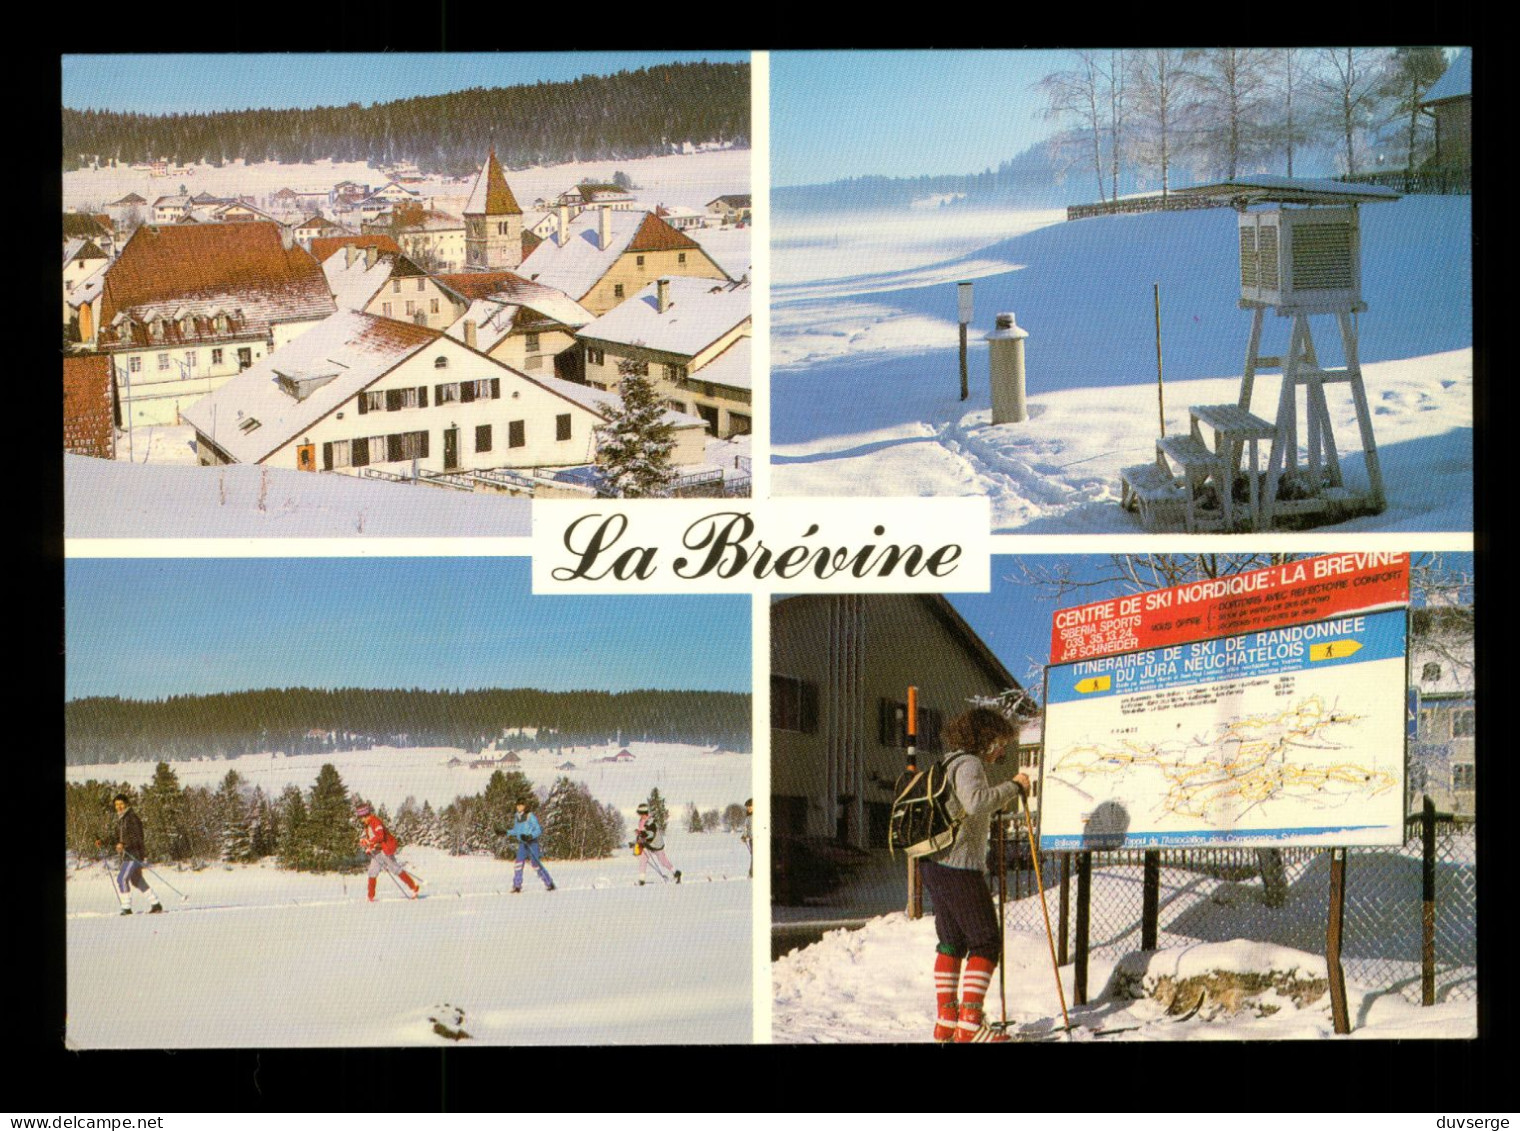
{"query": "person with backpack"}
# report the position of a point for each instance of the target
(649, 840)
(381, 845)
(129, 843)
(965, 918)
(527, 831)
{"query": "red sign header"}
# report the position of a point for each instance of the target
(1293, 593)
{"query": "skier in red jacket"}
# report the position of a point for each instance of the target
(377, 840)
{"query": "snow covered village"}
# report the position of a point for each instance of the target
(545, 298)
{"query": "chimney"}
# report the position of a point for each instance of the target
(469, 332)
(604, 229)
(662, 295)
(563, 234)
(287, 238)
(371, 254)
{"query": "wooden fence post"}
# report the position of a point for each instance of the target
(1333, 941)
(1428, 906)
(1084, 909)
(1065, 905)
(1151, 899)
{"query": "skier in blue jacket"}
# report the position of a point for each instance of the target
(527, 830)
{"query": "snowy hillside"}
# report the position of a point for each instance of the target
(865, 379)
(256, 956)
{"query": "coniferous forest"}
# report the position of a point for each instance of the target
(642, 113)
(309, 721)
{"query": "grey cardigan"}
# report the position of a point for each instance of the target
(975, 800)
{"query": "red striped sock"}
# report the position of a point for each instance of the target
(977, 979)
(947, 976)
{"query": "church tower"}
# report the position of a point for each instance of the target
(492, 222)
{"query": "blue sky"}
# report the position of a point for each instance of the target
(152, 628)
(903, 113)
(1014, 619)
(164, 84)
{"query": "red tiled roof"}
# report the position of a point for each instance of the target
(390, 333)
(325, 247)
(655, 234)
(205, 267)
(85, 226)
(87, 404)
(478, 284)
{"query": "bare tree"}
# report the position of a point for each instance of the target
(1161, 85)
(1231, 91)
(1289, 75)
(1118, 110)
(1349, 87)
(1072, 96)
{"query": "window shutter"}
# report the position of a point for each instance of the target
(361, 452)
(327, 456)
(423, 437)
(363, 403)
(422, 396)
(393, 448)
(466, 392)
(496, 388)
(393, 401)
(437, 394)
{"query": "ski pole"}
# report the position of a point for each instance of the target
(397, 882)
(155, 874)
(1002, 834)
(1034, 852)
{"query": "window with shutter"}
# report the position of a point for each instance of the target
(496, 388)
(562, 426)
(422, 396)
(467, 392)
(516, 434)
(482, 437)
(394, 400)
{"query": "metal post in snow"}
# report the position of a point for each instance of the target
(1428, 903)
(1160, 395)
(963, 296)
(1150, 905)
(1084, 918)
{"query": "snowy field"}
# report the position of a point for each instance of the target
(688, 179)
(164, 493)
(260, 957)
(876, 984)
(865, 385)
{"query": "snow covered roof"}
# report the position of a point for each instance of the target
(90, 287)
(253, 414)
(79, 248)
(731, 367)
(1455, 83)
(699, 312)
(1266, 189)
(322, 247)
(576, 266)
(491, 195)
(354, 284)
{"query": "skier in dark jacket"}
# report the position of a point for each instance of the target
(129, 843)
(649, 841)
(964, 916)
(527, 830)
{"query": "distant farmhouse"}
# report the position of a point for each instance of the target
(733, 208)
(186, 306)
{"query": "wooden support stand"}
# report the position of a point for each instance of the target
(1338, 1009)
(1084, 918)
(1150, 899)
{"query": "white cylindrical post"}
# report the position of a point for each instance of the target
(1006, 353)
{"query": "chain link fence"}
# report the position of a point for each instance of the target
(1215, 895)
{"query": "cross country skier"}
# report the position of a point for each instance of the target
(129, 843)
(527, 831)
(377, 840)
(649, 840)
(964, 916)
(749, 832)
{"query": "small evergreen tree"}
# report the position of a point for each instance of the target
(330, 840)
(693, 818)
(711, 819)
(291, 817)
(162, 812)
(634, 446)
(657, 809)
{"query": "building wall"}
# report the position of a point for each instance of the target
(519, 400)
(683, 394)
(857, 651)
(633, 276)
(493, 243)
(513, 350)
(438, 306)
(445, 245)
(157, 392)
(1454, 129)
(76, 271)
